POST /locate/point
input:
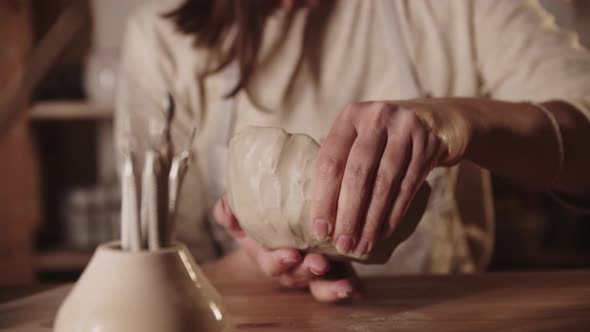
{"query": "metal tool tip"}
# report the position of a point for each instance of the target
(170, 105)
(191, 140)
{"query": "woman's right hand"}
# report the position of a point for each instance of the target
(327, 281)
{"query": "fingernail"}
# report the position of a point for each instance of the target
(363, 247)
(344, 243)
(226, 207)
(319, 269)
(315, 272)
(321, 229)
(344, 295)
(289, 260)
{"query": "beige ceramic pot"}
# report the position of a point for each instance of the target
(269, 188)
(122, 291)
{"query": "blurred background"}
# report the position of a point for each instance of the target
(59, 195)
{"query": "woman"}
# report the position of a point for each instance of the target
(398, 91)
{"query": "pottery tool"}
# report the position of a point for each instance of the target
(166, 147)
(130, 224)
(154, 212)
(166, 150)
(150, 200)
(178, 170)
(161, 180)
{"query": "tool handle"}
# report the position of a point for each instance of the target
(178, 171)
(149, 201)
(130, 224)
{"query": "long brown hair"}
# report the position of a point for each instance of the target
(211, 21)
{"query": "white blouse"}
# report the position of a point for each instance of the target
(315, 61)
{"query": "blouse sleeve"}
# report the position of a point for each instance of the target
(523, 55)
(144, 80)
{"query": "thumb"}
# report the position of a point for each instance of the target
(225, 217)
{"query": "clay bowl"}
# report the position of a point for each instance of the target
(269, 188)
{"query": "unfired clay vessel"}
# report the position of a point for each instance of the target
(122, 291)
(269, 188)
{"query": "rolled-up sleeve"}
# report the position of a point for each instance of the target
(523, 56)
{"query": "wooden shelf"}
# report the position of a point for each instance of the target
(62, 260)
(69, 110)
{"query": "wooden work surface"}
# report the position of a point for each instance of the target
(532, 301)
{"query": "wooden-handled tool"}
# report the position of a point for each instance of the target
(178, 170)
(130, 227)
(162, 177)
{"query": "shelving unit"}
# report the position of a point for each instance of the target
(63, 259)
(68, 110)
(64, 115)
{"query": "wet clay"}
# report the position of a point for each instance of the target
(269, 188)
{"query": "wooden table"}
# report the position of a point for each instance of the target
(532, 301)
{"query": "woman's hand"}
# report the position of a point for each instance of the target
(327, 282)
(374, 159)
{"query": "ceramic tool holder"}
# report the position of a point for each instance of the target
(146, 282)
(148, 291)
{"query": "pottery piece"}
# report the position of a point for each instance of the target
(269, 188)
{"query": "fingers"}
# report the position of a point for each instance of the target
(391, 171)
(329, 291)
(368, 170)
(361, 165)
(343, 285)
(424, 147)
(329, 170)
(271, 263)
(312, 272)
(312, 267)
(276, 262)
(225, 217)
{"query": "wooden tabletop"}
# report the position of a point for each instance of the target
(531, 301)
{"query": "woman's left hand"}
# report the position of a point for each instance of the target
(374, 159)
(328, 281)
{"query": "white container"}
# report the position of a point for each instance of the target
(122, 291)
